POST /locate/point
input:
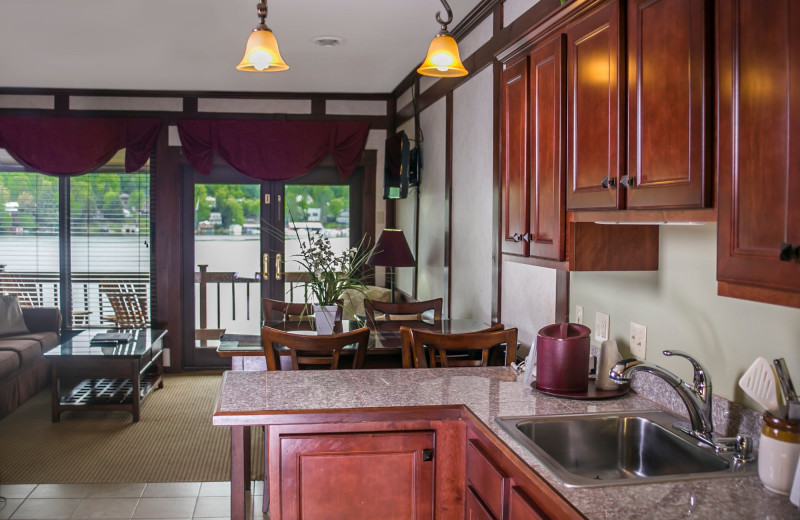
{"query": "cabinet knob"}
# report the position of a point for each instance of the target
(628, 182)
(609, 182)
(527, 238)
(789, 252)
(516, 237)
(427, 455)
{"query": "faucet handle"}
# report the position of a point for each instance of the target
(702, 380)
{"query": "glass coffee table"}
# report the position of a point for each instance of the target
(106, 376)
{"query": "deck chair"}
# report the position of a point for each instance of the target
(129, 303)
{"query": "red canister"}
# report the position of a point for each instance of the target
(562, 358)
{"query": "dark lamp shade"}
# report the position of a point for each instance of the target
(392, 250)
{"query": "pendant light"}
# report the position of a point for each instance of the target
(261, 53)
(443, 60)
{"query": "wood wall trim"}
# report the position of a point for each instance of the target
(448, 204)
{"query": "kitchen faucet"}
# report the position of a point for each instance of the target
(697, 398)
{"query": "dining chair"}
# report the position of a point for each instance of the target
(448, 350)
(276, 310)
(313, 350)
(402, 310)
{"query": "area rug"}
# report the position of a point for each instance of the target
(174, 440)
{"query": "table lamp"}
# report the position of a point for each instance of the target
(392, 251)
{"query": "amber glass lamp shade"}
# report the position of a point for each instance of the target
(443, 60)
(262, 53)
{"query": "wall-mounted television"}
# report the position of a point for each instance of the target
(401, 166)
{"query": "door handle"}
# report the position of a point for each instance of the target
(278, 262)
(265, 266)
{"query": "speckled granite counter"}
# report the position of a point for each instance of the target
(246, 397)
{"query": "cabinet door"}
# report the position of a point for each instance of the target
(668, 81)
(475, 510)
(514, 156)
(594, 110)
(547, 149)
(522, 508)
(759, 148)
(356, 476)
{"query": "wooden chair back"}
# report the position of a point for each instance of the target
(402, 310)
(448, 350)
(313, 350)
(274, 310)
(129, 303)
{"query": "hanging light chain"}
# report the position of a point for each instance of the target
(261, 8)
(444, 23)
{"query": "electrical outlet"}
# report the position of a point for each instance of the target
(601, 323)
(579, 314)
(638, 340)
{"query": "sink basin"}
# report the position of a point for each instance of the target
(619, 448)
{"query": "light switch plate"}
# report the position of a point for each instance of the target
(579, 314)
(601, 325)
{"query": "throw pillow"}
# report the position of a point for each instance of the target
(11, 320)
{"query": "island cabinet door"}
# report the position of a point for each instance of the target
(357, 476)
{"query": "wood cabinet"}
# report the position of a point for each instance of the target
(594, 110)
(499, 487)
(532, 152)
(669, 100)
(357, 475)
(514, 157)
(668, 105)
(759, 151)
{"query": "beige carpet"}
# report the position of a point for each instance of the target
(174, 440)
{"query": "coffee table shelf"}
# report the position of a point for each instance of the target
(88, 376)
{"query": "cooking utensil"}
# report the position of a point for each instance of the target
(792, 403)
(760, 383)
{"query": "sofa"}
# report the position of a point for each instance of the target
(24, 370)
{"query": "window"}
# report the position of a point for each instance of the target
(101, 255)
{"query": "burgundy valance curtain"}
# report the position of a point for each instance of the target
(273, 150)
(74, 145)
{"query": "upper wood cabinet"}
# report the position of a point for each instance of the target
(759, 151)
(669, 82)
(594, 110)
(514, 157)
(532, 152)
(668, 85)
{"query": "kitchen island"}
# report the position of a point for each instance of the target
(459, 405)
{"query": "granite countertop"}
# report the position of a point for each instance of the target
(492, 392)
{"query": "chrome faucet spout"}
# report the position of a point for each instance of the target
(696, 396)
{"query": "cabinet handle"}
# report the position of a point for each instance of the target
(628, 182)
(265, 267)
(609, 182)
(278, 266)
(516, 237)
(527, 238)
(789, 252)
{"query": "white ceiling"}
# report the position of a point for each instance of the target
(194, 45)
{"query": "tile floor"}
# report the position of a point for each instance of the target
(162, 501)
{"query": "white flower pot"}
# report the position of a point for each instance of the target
(325, 318)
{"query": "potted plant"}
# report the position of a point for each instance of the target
(331, 275)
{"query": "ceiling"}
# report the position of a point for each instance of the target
(194, 45)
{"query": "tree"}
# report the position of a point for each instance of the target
(231, 211)
(112, 205)
(136, 199)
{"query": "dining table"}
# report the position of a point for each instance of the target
(384, 349)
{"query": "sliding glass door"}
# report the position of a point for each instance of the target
(245, 235)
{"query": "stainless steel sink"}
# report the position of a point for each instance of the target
(619, 448)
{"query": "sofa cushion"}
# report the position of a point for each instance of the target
(9, 363)
(11, 320)
(46, 340)
(28, 350)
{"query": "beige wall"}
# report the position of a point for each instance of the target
(405, 216)
(681, 309)
(471, 224)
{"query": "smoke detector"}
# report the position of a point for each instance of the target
(327, 41)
